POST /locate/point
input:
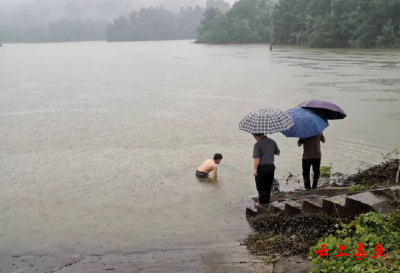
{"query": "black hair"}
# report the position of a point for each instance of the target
(258, 135)
(217, 156)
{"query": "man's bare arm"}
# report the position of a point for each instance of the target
(256, 164)
(215, 171)
(322, 138)
(299, 144)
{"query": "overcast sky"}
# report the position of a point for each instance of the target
(36, 12)
(16, 3)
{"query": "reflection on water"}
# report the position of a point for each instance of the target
(100, 142)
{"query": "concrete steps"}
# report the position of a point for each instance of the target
(263, 209)
(335, 205)
(339, 205)
(366, 202)
(293, 208)
(278, 207)
(251, 209)
(313, 205)
(396, 190)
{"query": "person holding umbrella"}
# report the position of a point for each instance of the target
(308, 128)
(264, 169)
(259, 123)
(311, 157)
(310, 121)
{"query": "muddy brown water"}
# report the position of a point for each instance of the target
(100, 141)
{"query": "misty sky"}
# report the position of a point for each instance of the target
(39, 12)
(136, 4)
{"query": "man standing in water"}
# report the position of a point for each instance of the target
(208, 166)
(311, 157)
(264, 169)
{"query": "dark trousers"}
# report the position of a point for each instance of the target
(307, 163)
(264, 181)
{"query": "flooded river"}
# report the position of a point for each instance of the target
(99, 142)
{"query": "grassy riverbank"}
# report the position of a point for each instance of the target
(370, 230)
(276, 235)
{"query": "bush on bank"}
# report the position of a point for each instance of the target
(279, 235)
(369, 229)
(305, 234)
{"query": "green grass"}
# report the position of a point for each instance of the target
(359, 188)
(325, 171)
(370, 229)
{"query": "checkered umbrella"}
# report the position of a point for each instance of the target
(266, 121)
(307, 123)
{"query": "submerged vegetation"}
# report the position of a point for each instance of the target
(371, 176)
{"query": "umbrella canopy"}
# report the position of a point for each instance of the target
(325, 109)
(266, 121)
(307, 123)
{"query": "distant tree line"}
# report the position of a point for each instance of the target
(315, 23)
(160, 24)
(337, 23)
(155, 24)
(146, 24)
(62, 30)
(248, 21)
(218, 4)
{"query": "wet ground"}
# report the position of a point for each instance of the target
(221, 259)
(99, 142)
(218, 259)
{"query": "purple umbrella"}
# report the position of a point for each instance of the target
(324, 109)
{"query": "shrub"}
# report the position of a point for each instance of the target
(359, 188)
(370, 229)
(274, 234)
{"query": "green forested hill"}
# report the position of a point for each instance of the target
(315, 23)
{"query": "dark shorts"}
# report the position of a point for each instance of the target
(201, 174)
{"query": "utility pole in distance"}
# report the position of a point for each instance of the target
(272, 35)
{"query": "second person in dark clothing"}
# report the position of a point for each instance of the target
(264, 169)
(311, 157)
